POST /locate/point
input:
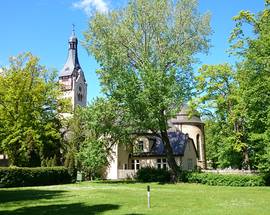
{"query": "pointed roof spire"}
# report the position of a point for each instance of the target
(72, 62)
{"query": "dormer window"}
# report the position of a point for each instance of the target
(152, 143)
(140, 146)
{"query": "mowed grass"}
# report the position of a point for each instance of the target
(131, 198)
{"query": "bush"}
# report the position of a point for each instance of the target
(24, 176)
(223, 180)
(266, 177)
(150, 174)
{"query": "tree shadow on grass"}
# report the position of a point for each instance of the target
(24, 195)
(117, 182)
(63, 209)
(134, 214)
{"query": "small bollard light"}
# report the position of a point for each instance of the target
(148, 195)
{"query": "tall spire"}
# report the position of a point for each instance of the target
(72, 62)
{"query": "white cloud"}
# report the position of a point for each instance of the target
(91, 5)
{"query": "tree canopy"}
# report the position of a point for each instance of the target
(239, 97)
(29, 107)
(146, 51)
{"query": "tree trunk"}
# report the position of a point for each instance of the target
(170, 157)
(246, 158)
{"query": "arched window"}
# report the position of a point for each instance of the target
(198, 146)
(80, 97)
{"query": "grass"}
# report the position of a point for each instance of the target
(131, 198)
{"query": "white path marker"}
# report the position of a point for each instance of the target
(148, 195)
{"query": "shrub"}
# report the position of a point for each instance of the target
(266, 177)
(223, 180)
(150, 174)
(24, 176)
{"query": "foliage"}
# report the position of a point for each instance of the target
(150, 174)
(24, 176)
(70, 164)
(239, 98)
(93, 131)
(93, 157)
(218, 93)
(254, 81)
(146, 51)
(215, 179)
(29, 106)
(74, 136)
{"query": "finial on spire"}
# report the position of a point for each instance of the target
(73, 30)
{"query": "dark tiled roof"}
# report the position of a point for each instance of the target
(178, 141)
(72, 64)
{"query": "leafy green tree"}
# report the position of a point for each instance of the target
(93, 132)
(93, 157)
(240, 99)
(218, 92)
(29, 122)
(146, 51)
(254, 79)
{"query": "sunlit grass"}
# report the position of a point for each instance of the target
(125, 198)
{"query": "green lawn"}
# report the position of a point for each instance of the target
(122, 198)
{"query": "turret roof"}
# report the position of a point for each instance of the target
(185, 116)
(72, 64)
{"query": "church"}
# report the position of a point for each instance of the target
(72, 77)
(186, 133)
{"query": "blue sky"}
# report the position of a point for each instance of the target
(44, 26)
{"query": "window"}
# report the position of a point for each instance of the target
(140, 146)
(190, 164)
(162, 163)
(80, 97)
(198, 145)
(135, 164)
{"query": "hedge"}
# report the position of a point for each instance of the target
(222, 179)
(24, 176)
(150, 174)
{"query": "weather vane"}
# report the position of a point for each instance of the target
(73, 29)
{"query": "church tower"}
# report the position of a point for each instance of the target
(72, 78)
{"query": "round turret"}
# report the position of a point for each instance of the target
(189, 122)
(186, 117)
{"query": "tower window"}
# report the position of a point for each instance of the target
(80, 97)
(198, 145)
(190, 164)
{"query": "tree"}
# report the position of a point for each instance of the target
(29, 122)
(245, 101)
(146, 51)
(254, 79)
(93, 132)
(218, 92)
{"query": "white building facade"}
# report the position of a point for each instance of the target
(186, 136)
